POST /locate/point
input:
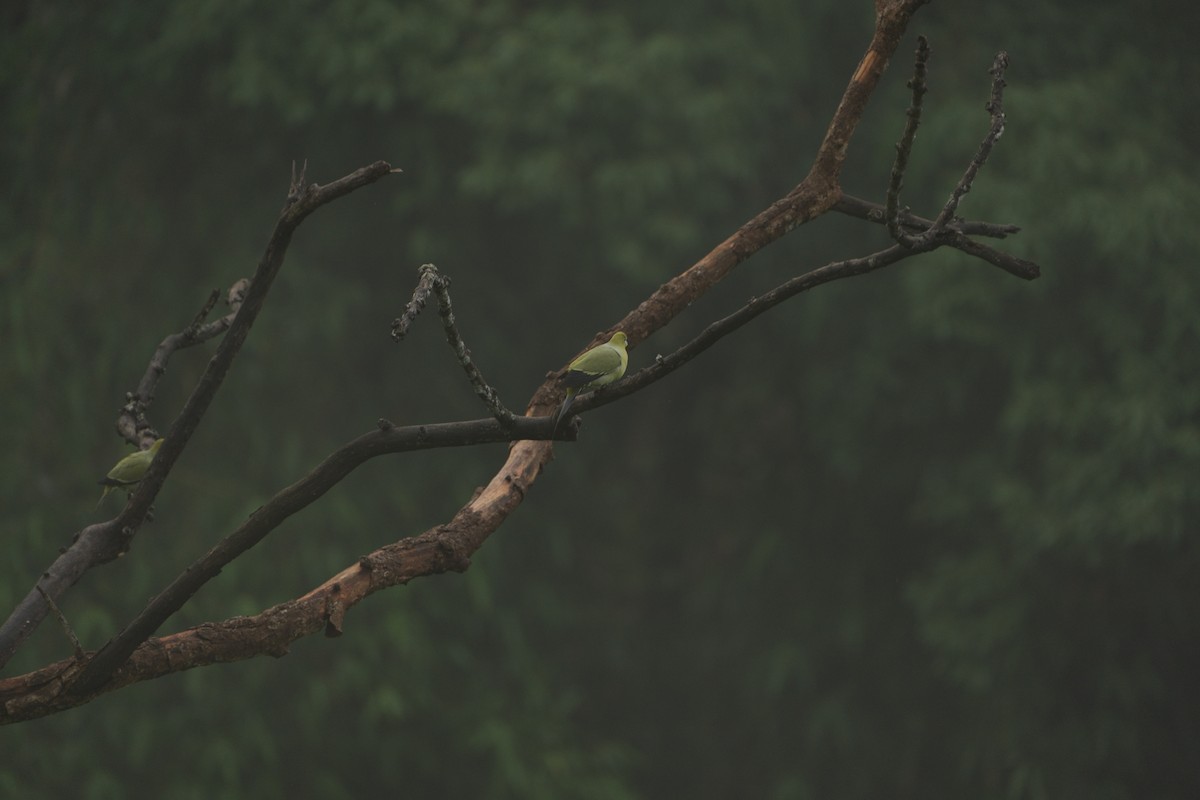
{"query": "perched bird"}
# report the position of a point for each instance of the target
(129, 470)
(598, 367)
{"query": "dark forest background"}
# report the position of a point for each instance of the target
(927, 533)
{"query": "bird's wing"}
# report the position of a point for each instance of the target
(597, 361)
(131, 468)
(114, 482)
(591, 366)
(575, 378)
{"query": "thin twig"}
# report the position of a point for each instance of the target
(856, 207)
(1009, 263)
(62, 620)
(956, 234)
(995, 107)
(904, 146)
(433, 281)
(203, 313)
(132, 424)
(416, 305)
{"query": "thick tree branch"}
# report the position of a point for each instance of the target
(54, 688)
(310, 488)
(438, 550)
(445, 548)
(664, 365)
(815, 195)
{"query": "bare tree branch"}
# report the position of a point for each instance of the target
(62, 620)
(1020, 267)
(957, 235)
(873, 212)
(438, 550)
(97, 544)
(302, 200)
(388, 439)
(995, 108)
(310, 488)
(813, 196)
(433, 281)
(132, 424)
(946, 228)
(103, 542)
(132, 656)
(904, 147)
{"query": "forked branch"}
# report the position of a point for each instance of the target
(102, 542)
(132, 656)
(438, 284)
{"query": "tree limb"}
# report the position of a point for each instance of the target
(995, 108)
(100, 543)
(103, 542)
(904, 147)
(873, 212)
(132, 424)
(435, 282)
(813, 196)
(132, 656)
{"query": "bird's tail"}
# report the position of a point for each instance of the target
(562, 411)
(109, 484)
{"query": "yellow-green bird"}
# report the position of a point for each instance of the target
(129, 470)
(598, 367)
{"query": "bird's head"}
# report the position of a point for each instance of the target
(618, 339)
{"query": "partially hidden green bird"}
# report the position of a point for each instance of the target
(129, 470)
(598, 367)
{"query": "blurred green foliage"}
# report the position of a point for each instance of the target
(931, 533)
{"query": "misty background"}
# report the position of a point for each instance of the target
(925, 533)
